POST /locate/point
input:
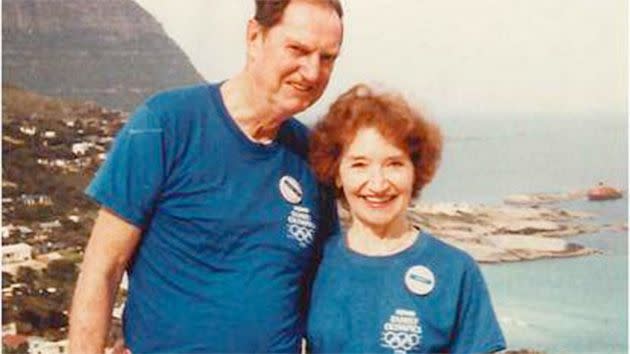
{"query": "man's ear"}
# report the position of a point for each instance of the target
(254, 31)
(253, 38)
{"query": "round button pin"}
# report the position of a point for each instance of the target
(419, 280)
(290, 189)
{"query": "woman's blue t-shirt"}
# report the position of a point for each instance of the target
(429, 298)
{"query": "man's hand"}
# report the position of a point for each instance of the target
(119, 347)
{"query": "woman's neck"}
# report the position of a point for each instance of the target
(375, 241)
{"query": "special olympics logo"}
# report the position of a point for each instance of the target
(402, 332)
(300, 226)
(302, 234)
(400, 341)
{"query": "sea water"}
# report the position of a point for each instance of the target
(570, 305)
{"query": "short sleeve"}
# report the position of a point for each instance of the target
(477, 328)
(130, 179)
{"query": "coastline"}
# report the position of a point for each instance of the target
(519, 230)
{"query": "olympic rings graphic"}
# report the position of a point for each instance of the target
(302, 234)
(401, 340)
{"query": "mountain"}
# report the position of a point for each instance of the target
(109, 51)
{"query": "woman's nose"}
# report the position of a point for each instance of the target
(378, 181)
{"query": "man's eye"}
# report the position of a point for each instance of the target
(328, 58)
(296, 50)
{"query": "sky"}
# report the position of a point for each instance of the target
(482, 58)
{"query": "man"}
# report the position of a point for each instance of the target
(209, 204)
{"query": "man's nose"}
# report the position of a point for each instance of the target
(310, 67)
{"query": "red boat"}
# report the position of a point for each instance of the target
(602, 192)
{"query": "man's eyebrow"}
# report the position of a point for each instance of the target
(297, 42)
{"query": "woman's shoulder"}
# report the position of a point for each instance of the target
(446, 252)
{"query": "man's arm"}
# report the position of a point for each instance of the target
(111, 245)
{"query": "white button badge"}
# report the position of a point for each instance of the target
(419, 280)
(290, 189)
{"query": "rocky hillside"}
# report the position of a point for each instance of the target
(112, 52)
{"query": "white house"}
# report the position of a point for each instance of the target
(6, 230)
(24, 230)
(35, 199)
(38, 345)
(16, 253)
(28, 130)
(81, 148)
(74, 218)
(50, 225)
(9, 328)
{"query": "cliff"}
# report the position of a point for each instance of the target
(112, 52)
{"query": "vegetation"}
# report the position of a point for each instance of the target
(39, 302)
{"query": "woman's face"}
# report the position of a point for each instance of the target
(377, 180)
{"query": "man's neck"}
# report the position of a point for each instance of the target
(255, 118)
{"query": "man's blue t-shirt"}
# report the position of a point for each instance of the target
(231, 228)
(429, 298)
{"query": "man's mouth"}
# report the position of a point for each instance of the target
(305, 88)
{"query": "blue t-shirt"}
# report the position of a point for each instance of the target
(231, 228)
(429, 298)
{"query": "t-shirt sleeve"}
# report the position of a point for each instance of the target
(130, 179)
(477, 328)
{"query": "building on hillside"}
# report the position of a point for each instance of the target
(35, 199)
(9, 328)
(38, 345)
(49, 225)
(26, 130)
(82, 148)
(16, 253)
(7, 230)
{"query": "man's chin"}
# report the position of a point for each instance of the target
(298, 106)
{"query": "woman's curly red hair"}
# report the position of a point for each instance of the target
(361, 107)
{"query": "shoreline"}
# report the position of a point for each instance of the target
(519, 230)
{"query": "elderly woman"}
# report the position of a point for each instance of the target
(383, 286)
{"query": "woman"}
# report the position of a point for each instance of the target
(383, 286)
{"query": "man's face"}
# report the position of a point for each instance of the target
(292, 61)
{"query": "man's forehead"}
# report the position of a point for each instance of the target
(311, 26)
(328, 45)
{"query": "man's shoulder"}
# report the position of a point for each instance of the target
(179, 98)
(294, 135)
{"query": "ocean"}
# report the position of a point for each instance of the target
(571, 305)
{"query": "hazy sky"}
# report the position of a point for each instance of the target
(453, 57)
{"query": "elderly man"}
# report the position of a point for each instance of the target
(209, 204)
